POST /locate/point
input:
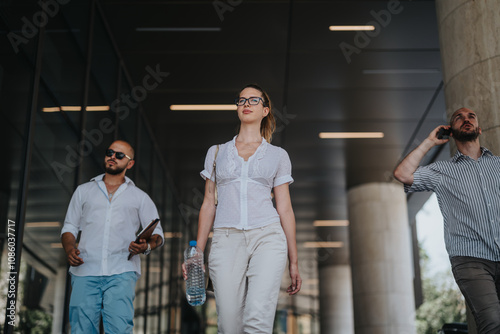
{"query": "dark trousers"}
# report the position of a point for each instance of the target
(479, 281)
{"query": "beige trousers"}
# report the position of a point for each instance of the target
(246, 267)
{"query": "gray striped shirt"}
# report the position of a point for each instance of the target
(468, 192)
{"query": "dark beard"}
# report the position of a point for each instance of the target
(463, 136)
(111, 171)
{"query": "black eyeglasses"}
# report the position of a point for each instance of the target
(253, 100)
(118, 155)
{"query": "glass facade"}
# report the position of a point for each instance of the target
(65, 96)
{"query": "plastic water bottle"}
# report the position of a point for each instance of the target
(195, 283)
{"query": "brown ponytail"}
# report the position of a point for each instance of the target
(268, 124)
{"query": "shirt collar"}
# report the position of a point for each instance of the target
(258, 154)
(234, 140)
(101, 177)
(459, 155)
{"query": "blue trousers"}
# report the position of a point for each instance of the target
(111, 297)
(479, 281)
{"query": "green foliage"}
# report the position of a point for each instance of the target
(34, 322)
(443, 302)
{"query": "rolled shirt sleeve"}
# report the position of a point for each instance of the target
(425, 178)
(284, 171)
(74, 214)
(206, 173)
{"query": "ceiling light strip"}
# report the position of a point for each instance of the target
(75, 108)
(98, 108)
(331, 223)
(350, 135)
(171, 235)
(43, 224)
(51, 109)
(203, 107)
(352, 28)
(71, 108)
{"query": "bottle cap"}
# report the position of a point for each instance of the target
(192, 243)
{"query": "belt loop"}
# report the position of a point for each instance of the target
(227, 232)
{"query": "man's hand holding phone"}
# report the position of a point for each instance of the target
(444, 133)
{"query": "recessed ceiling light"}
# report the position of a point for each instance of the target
(97, 108)
(75, 108)
(197, 107)
(179, 29)
(323, 244)
(352, 28)
(43, 224)
(171, 235)
(51, 109)
(350, 135)
(331, 223)
(71, 108)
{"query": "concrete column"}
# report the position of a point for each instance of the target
(335, 299)
(381, 261)
(470, 53)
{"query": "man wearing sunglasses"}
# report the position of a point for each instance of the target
(108, 211)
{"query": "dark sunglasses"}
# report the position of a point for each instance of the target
(118, 155)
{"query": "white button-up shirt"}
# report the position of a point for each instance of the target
(244, 187)
(107, 226)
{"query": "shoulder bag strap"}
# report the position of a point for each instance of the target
(214, 173)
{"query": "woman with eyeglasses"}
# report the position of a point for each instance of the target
(252, 238)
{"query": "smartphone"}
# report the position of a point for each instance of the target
(443, 133)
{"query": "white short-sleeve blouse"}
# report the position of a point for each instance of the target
(244, 187)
